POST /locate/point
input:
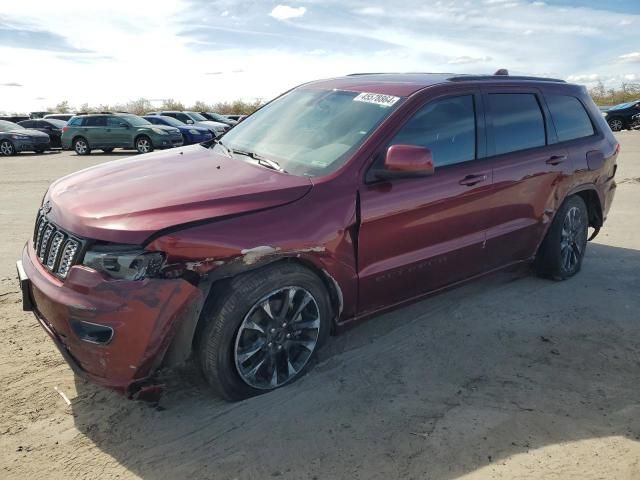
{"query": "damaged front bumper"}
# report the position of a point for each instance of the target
(112, 332)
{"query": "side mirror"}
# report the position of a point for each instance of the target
(404, 161)
(190, 122)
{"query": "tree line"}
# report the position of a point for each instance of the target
(143, 105)
(601, 95)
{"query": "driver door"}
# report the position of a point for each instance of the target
(421, 234)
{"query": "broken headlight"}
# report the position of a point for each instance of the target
(124, 263)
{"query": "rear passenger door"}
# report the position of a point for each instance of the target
(94, 129)
(528, 164)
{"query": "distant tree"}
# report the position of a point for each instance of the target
(139, 107)
(627, 92)
(238, 107)
(62, 107)
(171, 104)
(201, 106)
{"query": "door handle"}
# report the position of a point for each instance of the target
(556, 160)
(470, 180)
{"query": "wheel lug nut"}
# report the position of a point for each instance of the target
(288, 335)
(284, 324)
(269, 344)
(279, 347)
(273, 330)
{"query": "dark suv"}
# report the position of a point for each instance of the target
(621, 116)
(117, 130)
(336, 201)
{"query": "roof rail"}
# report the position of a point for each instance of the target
(475, 78)
(398, 73)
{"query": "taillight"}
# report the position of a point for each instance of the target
(65, 129)
(617, 149)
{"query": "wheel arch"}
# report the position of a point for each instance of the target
(187, 334)
(592, 200)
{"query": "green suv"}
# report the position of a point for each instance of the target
(117, 130)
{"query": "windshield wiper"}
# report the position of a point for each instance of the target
(215, 141)
(265, 162)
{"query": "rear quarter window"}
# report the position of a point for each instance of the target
(569, 116)
(75, 122)
(517, 122)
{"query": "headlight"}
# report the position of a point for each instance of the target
(20, 137)
(160, 131)
(124, 263)
(193, 131)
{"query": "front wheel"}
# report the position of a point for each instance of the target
(264, 332)
(144, 145)
(7, 148)
(616, 124)
(561, 253)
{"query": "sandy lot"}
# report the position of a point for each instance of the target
(507, 377)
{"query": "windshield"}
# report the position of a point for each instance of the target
(196, 116)
(311, 132)
(136, 121)
(174, 122)
(623, 106)
(218, 118)
(56, 123)
(8, 126)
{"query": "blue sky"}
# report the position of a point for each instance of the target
(105, 52)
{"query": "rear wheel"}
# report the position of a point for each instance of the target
(264, 332)
(562, 250)
(616, 124)
(143, 144)
(40, 150)
(7, 148)
(81, 146)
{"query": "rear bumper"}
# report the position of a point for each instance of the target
(143, 316)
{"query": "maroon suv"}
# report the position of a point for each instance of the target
(338, 200)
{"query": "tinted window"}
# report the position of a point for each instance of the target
(75, 121)
(115, 122)
(518, 123)
(27, 123)
(447, 127)
(55, 123)
(569, 116)
(95, 122)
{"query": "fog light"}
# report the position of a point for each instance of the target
(92, 332)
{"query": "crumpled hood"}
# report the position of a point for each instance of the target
(126, 201)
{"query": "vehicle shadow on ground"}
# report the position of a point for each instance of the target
(443, 387)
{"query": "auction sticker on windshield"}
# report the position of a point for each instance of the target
(377, 98)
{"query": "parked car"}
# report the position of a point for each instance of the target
(190, 133)
(50, 126)
(14, 118)
(216, 117)
(635, 122)
(237, 118)
(60, 116)
(194, 118)
(33, 115)
(15, 138)
(338, 200)
(117, 130)
(619, 117)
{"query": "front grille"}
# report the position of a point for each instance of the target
(56, 249)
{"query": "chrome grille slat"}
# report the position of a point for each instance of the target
(56, 249)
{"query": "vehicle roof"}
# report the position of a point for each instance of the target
(404, 84)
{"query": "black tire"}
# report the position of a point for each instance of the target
(225, 314)
(561, 253)
(40, 151)
(616, 124)
(7, 148)
(144, 144)
(107, 150)
(81, 146)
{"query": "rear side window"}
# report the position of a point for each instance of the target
(95, 122)
(518, 123)
(569, 116)
(447, 127)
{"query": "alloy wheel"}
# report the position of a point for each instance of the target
(615, 125)
(277, 338)
(81, 147)
(572, 239)
(6, 148)
(144, 145)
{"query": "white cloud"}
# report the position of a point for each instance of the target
(465, 59)
(285, 12)
(370, 11)
(633, 57)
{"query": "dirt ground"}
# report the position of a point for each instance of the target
(509, 377)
